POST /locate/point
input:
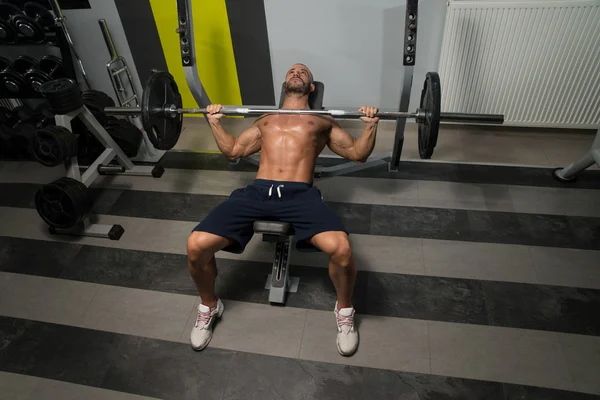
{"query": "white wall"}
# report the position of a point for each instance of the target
(353, 46)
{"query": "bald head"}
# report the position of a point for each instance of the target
(298, 79)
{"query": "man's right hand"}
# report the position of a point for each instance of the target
(213, 112)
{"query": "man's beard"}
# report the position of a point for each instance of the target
(296, 86)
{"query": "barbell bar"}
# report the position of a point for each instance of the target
(169, 110)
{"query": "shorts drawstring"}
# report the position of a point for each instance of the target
(278, 191)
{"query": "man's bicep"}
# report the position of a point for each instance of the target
(247, 143)
(340, 142)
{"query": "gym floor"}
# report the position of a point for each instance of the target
(476, 281)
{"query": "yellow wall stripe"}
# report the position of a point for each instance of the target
(214, 50)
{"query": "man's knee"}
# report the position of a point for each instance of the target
(342, 255)
(203, 245)
(336, 245)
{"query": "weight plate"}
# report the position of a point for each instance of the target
(32, 30)
(8, 35)
(127, 136)
(431, 99)
(63, 95)
(53, 146)
(11, 81)
(40, 13)
(37, 78)
(163, 130)
(24, 63)
(53, 66)
(21, 140)
(63, 203)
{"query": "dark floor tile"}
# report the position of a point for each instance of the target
(36, 257)
(424, 297)
(103, 199)
(355, 217)
(121, 267)
(431, 223)
(586, 231)
(519, 392)
(58, 352)
(158, 205)
(168, 370)
(203, 161)
(18, 194)
(549, 308)
(262, 377)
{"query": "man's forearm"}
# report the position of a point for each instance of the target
(225, 142)
(363, 147)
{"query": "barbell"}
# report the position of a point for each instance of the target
(162, 112)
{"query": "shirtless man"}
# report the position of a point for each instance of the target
(283, 191)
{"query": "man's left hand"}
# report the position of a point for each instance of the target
(369, 114)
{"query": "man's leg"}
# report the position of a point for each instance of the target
(342, 267)
(342, 271)
(201, 249)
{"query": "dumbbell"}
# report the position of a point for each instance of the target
(50, 68)
(32, 25)
(11, 81)
(8, 34)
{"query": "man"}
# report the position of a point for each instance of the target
(283, 191)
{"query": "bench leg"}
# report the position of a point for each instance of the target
(279, 282)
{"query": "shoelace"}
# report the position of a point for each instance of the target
(204, 317)
(343, 320)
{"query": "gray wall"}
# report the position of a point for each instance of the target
(354, 47)
(90, 45)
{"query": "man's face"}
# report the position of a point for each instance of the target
(298, 80)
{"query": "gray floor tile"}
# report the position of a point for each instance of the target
(396, 255)
(168, 370)
(558, 201)
(550, 308)
(256, 328)
(583, 357)
(489, 147)
(424, 297)
(17, 386)
(5, 278)
(388, 343)
(498, 354)
(35, 257)
(46, 299)
(486, 261)
(567, 267)
(138, 312)
(29, 172)
(52, 390)
(58, 352)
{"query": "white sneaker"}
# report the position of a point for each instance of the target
(203, 328)
(347, 337)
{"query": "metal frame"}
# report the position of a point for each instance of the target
(99, 167)
(279, 282)
(569, 173)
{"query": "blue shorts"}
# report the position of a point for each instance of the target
(300, 204)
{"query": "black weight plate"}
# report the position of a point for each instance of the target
(53, 146)
(8, 35)
(53, 66)
(39, 13)
(63, 203)
(99, 98)
(36, 78)
(431, 99)
(19, 115)
(162, 130)
(11, 81)
(127, 136)
(32, 30)
(24, 63)
(21, 140)
(58, 87)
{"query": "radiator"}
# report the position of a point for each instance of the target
(537, 62)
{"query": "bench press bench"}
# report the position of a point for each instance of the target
(282, 233)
